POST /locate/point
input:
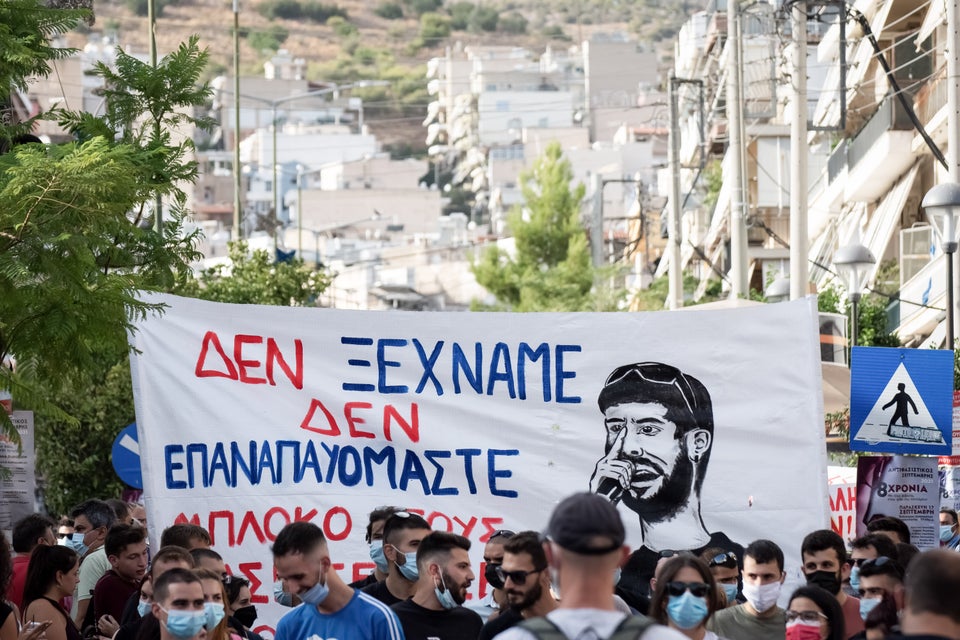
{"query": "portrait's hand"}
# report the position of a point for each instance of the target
(611, 477)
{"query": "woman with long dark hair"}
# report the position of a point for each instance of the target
(686, 596)
(51, 576)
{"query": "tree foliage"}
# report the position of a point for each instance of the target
(550, 269)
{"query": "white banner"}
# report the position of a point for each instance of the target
(18, 480)
(251, 416)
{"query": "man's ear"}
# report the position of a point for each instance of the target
(698, 443)
(389, 552)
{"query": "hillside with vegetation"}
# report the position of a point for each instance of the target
(349, 40)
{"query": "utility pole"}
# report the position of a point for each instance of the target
(237, 174)
(799, 272)
(596, 220)
(674, 274)
(738, 205)
(953, 128)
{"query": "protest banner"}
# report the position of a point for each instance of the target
(250, 417)
(903, 487)
(18, 479)
(843, 501)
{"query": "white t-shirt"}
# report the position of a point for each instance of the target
(590, 624)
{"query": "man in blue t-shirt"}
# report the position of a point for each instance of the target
(330, 608)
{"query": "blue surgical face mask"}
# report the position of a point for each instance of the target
(280, 596)
(315, 595)
(687, 610)
(855, 578)
(445, 597)
(946, 532)
(731, 592)
(214, 613)
(75, 542)
(376, 554)
(409, 568)
(184, 624)
(617, 573)
(143, 607)
(867, 605)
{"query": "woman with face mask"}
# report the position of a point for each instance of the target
(686, 596)
(214, 601)
(241, 613)
(51, 576)
(814, 614)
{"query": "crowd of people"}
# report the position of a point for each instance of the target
(92, 576)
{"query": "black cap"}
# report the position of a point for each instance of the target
(587, 524)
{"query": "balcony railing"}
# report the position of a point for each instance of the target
(889, 117)
(837, 161)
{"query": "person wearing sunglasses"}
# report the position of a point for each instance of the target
(868, 547)
(659, 435)
(686, 596)
(814, 614)
(493, 604)
(526, 583)
(402, 533)
(725, 568)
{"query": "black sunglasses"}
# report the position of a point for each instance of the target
(501, 533)
(725, 559)
(518, 577)
(698, 589)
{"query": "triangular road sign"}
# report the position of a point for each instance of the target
(899, 414)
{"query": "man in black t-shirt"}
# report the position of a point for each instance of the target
(435, 612)
(402, 534)
(526, 582)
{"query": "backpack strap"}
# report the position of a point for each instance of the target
(542, 629)
(631, 628)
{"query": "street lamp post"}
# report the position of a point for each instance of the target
(852, 261)
(941, 205)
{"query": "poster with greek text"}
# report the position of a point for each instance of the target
(904, 487)
(843, 501)
(704, 427)
(18, 481)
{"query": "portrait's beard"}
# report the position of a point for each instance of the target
(529, 598)
(670, 499)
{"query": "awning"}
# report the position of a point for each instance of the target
(886, 219)
(936, 15)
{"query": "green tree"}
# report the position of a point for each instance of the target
(434, 26)
(550, 269)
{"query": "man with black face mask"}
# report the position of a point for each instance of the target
(659, 434)
(825, 565)
(494, 602)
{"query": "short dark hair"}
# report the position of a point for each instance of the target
(42, 570)
(882, 566)
(401, 521)
(378, 514)
(824, 540)
(439, 544)
(828, 605)
(28, 530)
(669, 570)
(527, 542)
(161, 586)
(763, 551)
(905, 553)
(97, 512)
(169, 554)
(298, 538)
(120, 508)
(933, 582)
(120, 536)
(181, 534)
(950, 512)
(201, 553)
(883, 545)
(892, 524)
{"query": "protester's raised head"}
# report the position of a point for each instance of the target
(764, 551)
(824, 540)
(891, 526)
(298, 538)
(186, 535)
(402, 521)
(30, 531)
(436, 547)
(586, 524)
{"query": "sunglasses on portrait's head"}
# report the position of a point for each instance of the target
(659, 374)
(698, 589)
(726, 559)
(501, 533)
(805, 616)
(518, 577)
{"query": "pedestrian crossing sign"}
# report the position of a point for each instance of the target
(901, 400)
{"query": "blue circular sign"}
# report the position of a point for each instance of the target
(126, 456)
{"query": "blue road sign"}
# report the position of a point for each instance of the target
(901, 400)
(126, 456)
